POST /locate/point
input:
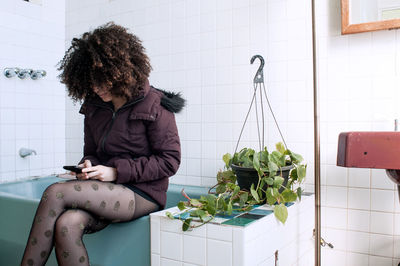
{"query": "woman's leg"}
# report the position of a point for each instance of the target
(69, 229)
(101, 199)
(72, 224)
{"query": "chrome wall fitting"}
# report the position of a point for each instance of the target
(37, 74)
(24, 152)
(22, 74)
(11, 72)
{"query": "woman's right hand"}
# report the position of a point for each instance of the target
(85, 164)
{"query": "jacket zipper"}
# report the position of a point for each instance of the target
(108, 131)
(114, 114)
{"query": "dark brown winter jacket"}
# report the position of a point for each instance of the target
(140, 139)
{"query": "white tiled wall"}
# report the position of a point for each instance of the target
(358, 78)
(32, 112)
(203, 48)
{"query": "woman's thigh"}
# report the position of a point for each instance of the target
(103, 199)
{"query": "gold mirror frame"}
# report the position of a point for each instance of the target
(348, 28)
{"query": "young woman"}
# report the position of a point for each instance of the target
(131, 146)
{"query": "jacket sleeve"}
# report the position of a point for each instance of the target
(90, 147)
(164, 142)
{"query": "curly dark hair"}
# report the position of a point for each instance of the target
(109, 57)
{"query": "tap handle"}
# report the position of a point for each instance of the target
(36, 74)
(11, 72)
(24, 72)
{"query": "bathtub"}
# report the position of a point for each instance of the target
(118, 244)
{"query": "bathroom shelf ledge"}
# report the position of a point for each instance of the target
(251, 240)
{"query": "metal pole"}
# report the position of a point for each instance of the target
(317, 162)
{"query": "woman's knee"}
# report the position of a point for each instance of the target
(72, 221)
(54, 191)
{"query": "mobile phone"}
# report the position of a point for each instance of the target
(73, 168)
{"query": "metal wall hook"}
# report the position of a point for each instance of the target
(11, 71)
(259, 84)
(259, 77)
(36, 74)
(24, 72)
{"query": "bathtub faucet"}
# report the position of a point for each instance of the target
(23, 152)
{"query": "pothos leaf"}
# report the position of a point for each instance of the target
(269, 180)
(289, 195)
(181, 206)
(243, 198)
(293, 174)
(254, 193)
(227, 159)
(228, 175)
(211, 209)
(220, 188)
(211, 204)
(235, 159)
(299, 192)
(202, 214)
(301, 172)
(270, 197)
(195, 202)
(219, 177)
(280, 147)
(296, 158)
(229, 209)
(194, 213)
(272, 167)
(264, 157)
(231, 186)
(247, 162)
(169, 215)
(256, 161)
(250, 152)
(282, 160)
(235, 191)
(281, 212)
(186, 224)
(262, 185)
(274, 157)
(278, 180)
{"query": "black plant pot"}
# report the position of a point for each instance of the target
(247, 176)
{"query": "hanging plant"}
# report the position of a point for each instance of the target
(250, 177)
(271, 187)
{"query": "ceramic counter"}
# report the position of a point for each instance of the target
(248, 240)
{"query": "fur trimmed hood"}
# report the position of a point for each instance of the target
(172, 101)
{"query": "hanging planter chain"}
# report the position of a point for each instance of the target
(258, 82)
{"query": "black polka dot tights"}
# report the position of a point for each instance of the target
(70, 209)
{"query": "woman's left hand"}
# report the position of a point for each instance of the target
(101, 172)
